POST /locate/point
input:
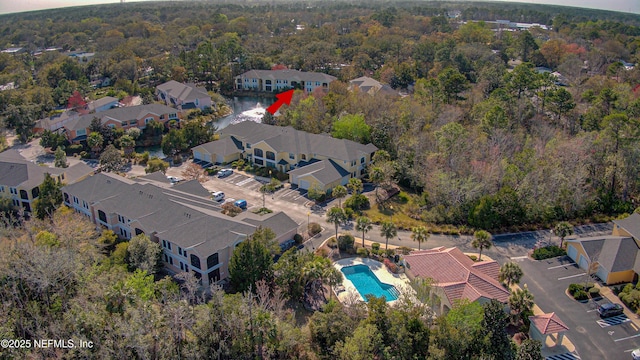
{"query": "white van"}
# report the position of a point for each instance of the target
(218, 196)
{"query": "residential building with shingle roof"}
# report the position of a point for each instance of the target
(194, 234)
(457, 276)
(183, 96)
(20, 179)
(279, 80)
(371, 86)
(332, 161)
(613, 258)
(125, 118)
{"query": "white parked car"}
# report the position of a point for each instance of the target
(635, 354)
(225, 172)
(174, 179)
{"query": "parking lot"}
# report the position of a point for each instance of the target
(594, 338)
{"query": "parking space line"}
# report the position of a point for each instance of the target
(559, 266)
(519, 257)
(247, 180)
(612, 321)
(592, 310)
(571, 276)
(627, 338)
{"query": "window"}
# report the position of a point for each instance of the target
(271, 155)
(170, 260)
(303, 157)
(258, 152)
(181, 266)
(212, 261)
(173, 116)
(66, 198)
(268, 82)
(168, 245)
(166, 259)
(195, 261)
(148, 120)
(113, 126)
(81, 132)
(134, 122)
(292, 156)
(214, 276)
(101, 215)
(1, 188)
(164, 244)
(353, 163)
(162, 117)
(14, 191)
(248, 146)
(35, 192)
(362, 160)
(258, 162)
(179, 250)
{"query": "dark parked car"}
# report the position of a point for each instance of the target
(608, 310)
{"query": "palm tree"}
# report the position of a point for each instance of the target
(510, 274)
(127, 143)
(95, 141)
(332, 277)
(482, 240)
(355, 185)
(339, 192)
(563, 229)
(420, 234)
(520, 301)
(363, 224)
(336, 216)
(388, 230)
(376, 175)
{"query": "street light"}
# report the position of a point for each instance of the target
(550, 235)
(391, 214)
(308, 214)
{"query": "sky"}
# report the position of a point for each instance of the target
(12, 6)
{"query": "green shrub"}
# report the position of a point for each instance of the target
(575, 287)
(357, 202)
(627, 288)
(580, 295)
(74, 149)
(631, 299)
(332, 243)
(348, 213)
(314, 229)
(404, 250)
(345, 242)
(363, 252)
(390, 252)
(473, 257)
(375, 246)
(594, 292)
(298, 238)
(548, 252)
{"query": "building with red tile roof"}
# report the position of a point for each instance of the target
(545, 325)
(457, 276)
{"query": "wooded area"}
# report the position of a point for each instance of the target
(485, 138)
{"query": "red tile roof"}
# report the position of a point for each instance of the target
(548, 323)
(458, 275)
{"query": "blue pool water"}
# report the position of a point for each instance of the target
(367, 283)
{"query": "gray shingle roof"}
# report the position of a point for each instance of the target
(279, 222)
(120, 114)
(615, 253)
(184, 92)
(291, 75)
(224, 147)
(183, 214)
(326, 171)
(101, 102)
(631, 224)
(371, 86)
(288, 139)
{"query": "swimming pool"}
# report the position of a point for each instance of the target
(367, 283)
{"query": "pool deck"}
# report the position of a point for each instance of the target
(350, 293)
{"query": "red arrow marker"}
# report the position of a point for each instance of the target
(283, 98)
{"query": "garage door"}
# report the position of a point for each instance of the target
(304, 184)
(602, 273)
(572, 252)
(584, 264)
(197, 155)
